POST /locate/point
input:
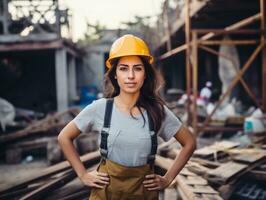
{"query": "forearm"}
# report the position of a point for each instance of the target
(72, 155)
(179, 162)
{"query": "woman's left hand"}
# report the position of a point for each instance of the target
(156, 182)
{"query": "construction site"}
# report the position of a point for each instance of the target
(211, 55)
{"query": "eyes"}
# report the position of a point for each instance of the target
(126, 68)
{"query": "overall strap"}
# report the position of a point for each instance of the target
(154, 142)
(106, 127)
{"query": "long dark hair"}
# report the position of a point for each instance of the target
(149, 97)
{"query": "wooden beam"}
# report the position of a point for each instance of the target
(224, 31)
(37, 37)
(28, 46)
(228, 42)
(52, 185)
(188, 60)
(173, 52)
(67, 176)
(263, 39)
(195, 81)
(234, 26)
(90, 158)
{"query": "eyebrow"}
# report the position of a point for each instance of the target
(125, 65)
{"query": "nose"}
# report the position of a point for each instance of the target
(131, 74)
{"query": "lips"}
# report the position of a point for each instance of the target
(131, 84)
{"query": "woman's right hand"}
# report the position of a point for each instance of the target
(95, 179)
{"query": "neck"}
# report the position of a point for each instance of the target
(127, 100)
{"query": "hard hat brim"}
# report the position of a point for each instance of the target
(109, 65)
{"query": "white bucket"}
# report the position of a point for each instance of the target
(254, 125)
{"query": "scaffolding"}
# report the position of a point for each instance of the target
(196, 39)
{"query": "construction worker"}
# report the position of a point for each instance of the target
(129, 119)
(205, 93)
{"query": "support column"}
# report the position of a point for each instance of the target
(188, 62)
(72, 85)
(61, 79)
(5, 16)
(195, 81)
(263, 40)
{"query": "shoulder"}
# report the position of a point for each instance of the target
(95, 106)
(169, 115)
(99, 102)
(167, 110)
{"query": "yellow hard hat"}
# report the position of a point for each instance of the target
(128, 45)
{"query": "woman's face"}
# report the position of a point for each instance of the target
(130, 74)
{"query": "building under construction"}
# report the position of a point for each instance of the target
(198, 41)
(36, 60)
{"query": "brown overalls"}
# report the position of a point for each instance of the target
(125, 183)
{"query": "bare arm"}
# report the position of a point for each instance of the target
(185, 138)
(65, 139)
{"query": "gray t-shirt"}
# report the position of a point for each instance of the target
(129, 142)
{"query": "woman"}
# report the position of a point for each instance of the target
(130, 120)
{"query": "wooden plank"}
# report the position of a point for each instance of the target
(186, 172)
(186, 196)
(197, 168)
(170, 194)
(185, 190)
(52, 185)
(193, 180)
(225, 172)
(71, 190)
(90, 158)
(211, 197)
(202, 189)
(214, 148)
(249, 158)
(206, 163)
(17, 193)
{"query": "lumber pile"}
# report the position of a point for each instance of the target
(46, 182)
(220, 171)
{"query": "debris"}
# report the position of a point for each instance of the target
(7, 114)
